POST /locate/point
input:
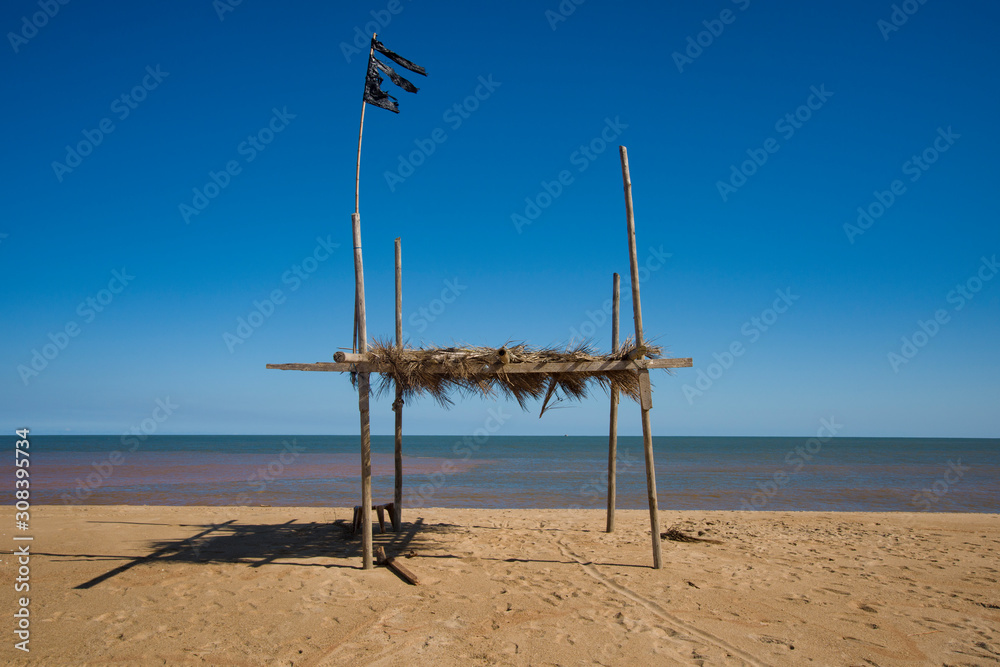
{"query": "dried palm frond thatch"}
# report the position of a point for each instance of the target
(439, 372)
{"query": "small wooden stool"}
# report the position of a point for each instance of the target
(380, 509)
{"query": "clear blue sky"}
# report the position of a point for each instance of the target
(864, 99)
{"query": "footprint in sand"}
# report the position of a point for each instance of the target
(767, 639)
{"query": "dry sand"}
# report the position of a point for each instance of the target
(283, 586)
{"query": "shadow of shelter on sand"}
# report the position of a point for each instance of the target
(263, 544)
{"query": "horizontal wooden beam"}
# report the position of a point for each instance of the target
(321, 366)
(533, 367)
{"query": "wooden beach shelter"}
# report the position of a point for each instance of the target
(519, 372)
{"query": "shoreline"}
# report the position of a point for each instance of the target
(283, 585)
(601, 510)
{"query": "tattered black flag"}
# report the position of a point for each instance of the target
(395, 78)
(398, 59)
(373, 83)
(373, 90)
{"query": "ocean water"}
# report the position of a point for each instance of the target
(726, 473)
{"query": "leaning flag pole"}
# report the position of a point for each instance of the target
(361, 345)
(356, 218)
(374, 95)
(361, 129)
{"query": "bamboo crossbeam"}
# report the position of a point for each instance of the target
(529, 367)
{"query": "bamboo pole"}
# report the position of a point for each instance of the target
(363, 392)
(647, 435)
(354, 337)
(357, 192)
(362, 346)
(357, 173)
(613, 430)
(397, 519)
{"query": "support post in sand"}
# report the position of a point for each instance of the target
(647, 435)
(613, 431)
(397, 406)
(363, 393)
(362, 340)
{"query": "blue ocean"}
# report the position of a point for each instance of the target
(713, 473)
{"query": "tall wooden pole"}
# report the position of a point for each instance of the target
(397, 516)
(647, 434)
(362, 346)
(613, 431)
(363, 392)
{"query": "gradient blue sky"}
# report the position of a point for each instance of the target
(827, 356)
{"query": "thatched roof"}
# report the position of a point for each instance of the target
(441, 372)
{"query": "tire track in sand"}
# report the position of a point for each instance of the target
(676, 623)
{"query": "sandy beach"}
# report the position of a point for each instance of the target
(283, 586)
